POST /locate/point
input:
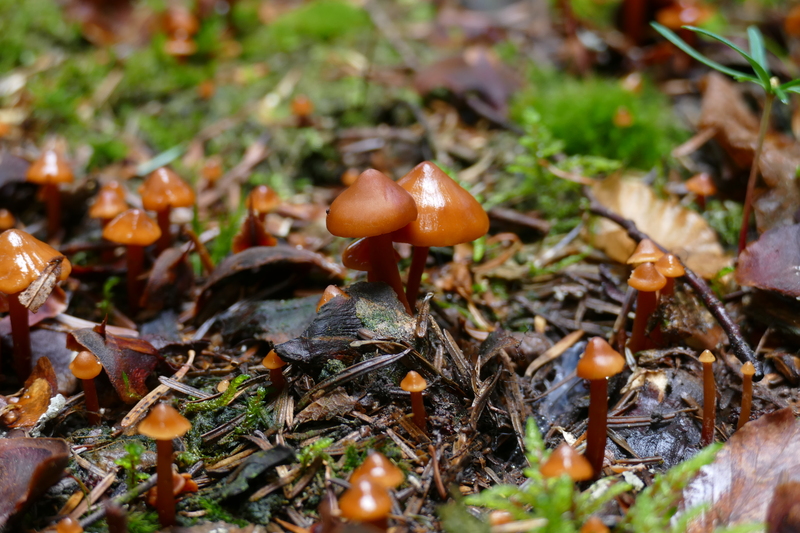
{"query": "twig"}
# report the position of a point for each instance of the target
(121, 500)
(738, 344)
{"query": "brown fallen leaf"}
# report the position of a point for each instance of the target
(40, 387)
(333, 404)
(771, 262)
(37, 292)
(737, 486)
(783, 514)
(252, 233)
(680, 230)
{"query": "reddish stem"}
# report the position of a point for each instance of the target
(418, 410)
(165, 240)
(135, 266)
(92, 403)
(645, 305)
(384, 267)
(701, 202)
(52, 198)
(596, 434)
(21, 335)
(747, 400)
(751, 180)
(165, 503)
(709, 405)
(415, 271)
(669, 288)
(277, 379)
(633, 20)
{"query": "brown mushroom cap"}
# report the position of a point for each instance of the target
(272, 361)
(49, 168)
(446, 213)
(180, 20)
(262, 199)
(707, 357)
(85, 365)
(7, 220)
(107, 204)
(365, 501)
(374, 205)
(670, 266)
(565, 460)
(22, 260)
(163, 188)
(748, 369)
(331, 292)
(133, 227)
(594, 525)
(684, 13)
(164, 423)
(646, 278)
(646, 251)
(115, 186)
(68, 525)
(600, 360)
(302, 106)
(379, 468)
(413, 382)
(701, 184)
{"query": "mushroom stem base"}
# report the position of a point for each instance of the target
(165, 504)
(596, 434)
(21, 335)
(709, 405)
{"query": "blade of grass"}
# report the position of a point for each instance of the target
(758, 69)
(790, 85)
(757, 47)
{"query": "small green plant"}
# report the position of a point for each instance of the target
(105, 305)
(757, 58)
(308, 454)
(130, 462)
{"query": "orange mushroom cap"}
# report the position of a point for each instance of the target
(413, 382)
(107, 204)
(68, 525)
(594, 525)
(23, 258)
(791, 25)
(180, 48)
(670, 266)
(7, 219)
(164, 423)
(684, 13)
(365, 501)
(163, 188)
(701, 184)
(446, 213)
(115, 186)
(600, 360)
(646, 278)
(374, 205)
(646, 251)
(565, 460)
(85, 365)
(263, 199)
(748, 369)
(133, 227)
(331, 292)
(180, 20)
(49, 168)
(272, 361)
(380, 469)
(707, 357)
(302, 106)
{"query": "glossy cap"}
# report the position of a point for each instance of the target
(379, 468)
(164, 423)
(373, 205)
(272, 361)
(748, 369)
(365, 501)
(594, 525)
(302, 106)
(7, 220)
(707, 357)
(133, 227)
(49, 168)
(413, 382)
(331, 292)
(446, 213)
(684, 13)
(107, 204)
(600, 360)
(181, 21)
(646, 251)
(670, 266)
(68, 525)
(23, 258)
(565, 460)
(85, 365)
(646, 278)
(701, 184)
(163, 188)
(262, 199)
(115, 186)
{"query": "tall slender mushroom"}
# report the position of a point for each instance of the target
(709, 398)
(86, 367)
(647, 281)
(446, 215)
(161, 191)
(49, 171)
(748, 370)
(135, 230)
(566, 461)
(599, 362)
(23, 259)
(373, 207)
(163, 424)
(367, 501)
(415, 384)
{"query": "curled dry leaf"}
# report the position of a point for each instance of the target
(335, 403)
(681, 231)
(771, 262)
(40, 387)
(37, 292)
(738, 485)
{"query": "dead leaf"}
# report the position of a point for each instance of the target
(783, 515)
(771, 262)
(680, 230)
(252, 233)
(40, 387)
(737, 485)
(37, 292)
(333, 404)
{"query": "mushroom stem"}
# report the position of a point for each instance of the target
(165, 240)
(747, 394)
(700, 200)
(709, 400)
(596, 433)
(669, 288)
(277, 379)
(415, 271)
(52, 198)
(135, 266)
(418, 410)
(384, 267)
(645, 305)
(92, 403)
(166, 499)
(21, 335)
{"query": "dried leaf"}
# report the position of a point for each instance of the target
(170, 277)
(40, 387)
(252, 233)
(771, 262)
(682, 231)
(37, 292)
(737, 485)
(333, 404)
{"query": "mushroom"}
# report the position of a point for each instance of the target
(367, 501)
(331, 292)
(594, 525)
(702, 185)
(161, 191)
(275, 364)
(163, 424)
(262, 200)
(599, 362)
(647, 281)
(748, 370)
(373, 207)
(302, 107)
(709, 398)
(380, 469)
(446, 215)
(566, 461)
(670, 267)
(646, 252)
(68, 525)
(135, 230)
(356, 257)
(415, 384)
(23, 259)
(86, 367)
(7, 220)
(49, 171)
(251, 234)
(108, 203)
(180, 25)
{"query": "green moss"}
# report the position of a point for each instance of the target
(31, 29)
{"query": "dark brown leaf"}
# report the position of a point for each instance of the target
(170, 277)
(771, 262)
(333, 404)
(783, 514)
(37, 292)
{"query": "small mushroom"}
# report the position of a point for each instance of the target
(748, 370)
(86, 367)
(161, 191)
(380, 469)
(670, 267)
(647, 281)
(262, 200)
(49, 171)
(302, 107)
(108, 203)
(68, 525)
(646, 252)
(701, 185)
(415, 384)
(594, 525)
(163, 424)
(566, 461)
(709, 398)
(275, 365)
(7, 220)
(331, 292)
(367, 501)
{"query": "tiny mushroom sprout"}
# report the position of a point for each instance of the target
(331, 292)
(566, 461)
(373, 207)
(380, 469)
(23, 260)
(49, 171)
(161, 191)
(446, 215)
(7, 220)
(594, 525)
(415, 384)
(701, 185)
(86, 367)
(599, 362)
(275, 364)
(163, 424)
(367, 501)
(135, 230)
(68, 525)
(647, 281)
(748, 370)
(262, 200)
(709, 398)
(670, 267)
